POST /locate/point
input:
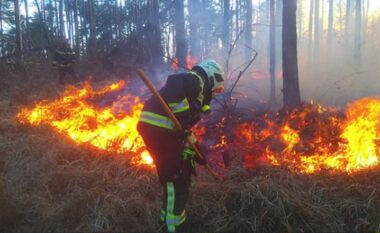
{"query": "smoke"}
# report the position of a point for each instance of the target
(332, 75)
(338, 75)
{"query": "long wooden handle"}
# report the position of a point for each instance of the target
(171, 115)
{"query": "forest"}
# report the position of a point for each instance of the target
(293, 139)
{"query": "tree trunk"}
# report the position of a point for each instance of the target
(92, 39)
(58, 32)
(300, 17)
(68, 17)
(311, 15)
(206, 41)
(365, 17)
(61, 20)
(366, 20)
(180, 33)
(278, 39)
(348, 22)
(239, 16)
(248, 32)
(115, 20)
(316, 29)
(156, 45)
(27, 32)
(358, 29)
(194, 11)
(322, 22)
(77, 32)
(226, 24)
(291, 91)
(43, 10)
(272, 51)
(18, 32)
(51, 20)
(331, 25)
(84, 37)
(1, 29)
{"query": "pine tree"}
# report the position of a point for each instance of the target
(291, 91)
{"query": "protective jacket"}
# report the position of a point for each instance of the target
(188, 96)
(63, 57)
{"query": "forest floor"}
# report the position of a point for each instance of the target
(49, 184)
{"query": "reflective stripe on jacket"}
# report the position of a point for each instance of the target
(157, 120)
(63, 57)
(185, 94)
(180, 106)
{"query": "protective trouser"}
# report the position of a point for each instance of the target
(173, 212)
(67, 70)
(174, 173)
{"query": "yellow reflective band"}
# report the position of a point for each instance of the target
(170, 207)
(206, 108)
(162, 215)
(173, 221)
(157, 120)
(182, 218)
(180, 107)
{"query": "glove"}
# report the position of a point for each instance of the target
(192, 155)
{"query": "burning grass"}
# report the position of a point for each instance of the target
(312, 139)
(49, 183)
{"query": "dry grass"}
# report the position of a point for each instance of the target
(47, 184)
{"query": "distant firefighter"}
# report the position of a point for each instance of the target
(64, 61)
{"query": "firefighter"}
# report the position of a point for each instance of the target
(64, 60)
(188, 95)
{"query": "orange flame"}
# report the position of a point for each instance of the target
(306, 140)
(175, 64)
(75, 116)
(362, 133)
(314, 139)
(190, 61)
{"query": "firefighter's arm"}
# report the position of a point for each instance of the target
(194, 95)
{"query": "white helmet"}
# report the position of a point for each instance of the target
(214, 73)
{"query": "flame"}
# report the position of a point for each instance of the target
(306, 140)
(315, 139)
(74, 114)
(190, 61)
(362, 132)
(175, 64)
(290, 137)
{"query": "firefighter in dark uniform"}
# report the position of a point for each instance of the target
(189, 96)
(64, 60)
